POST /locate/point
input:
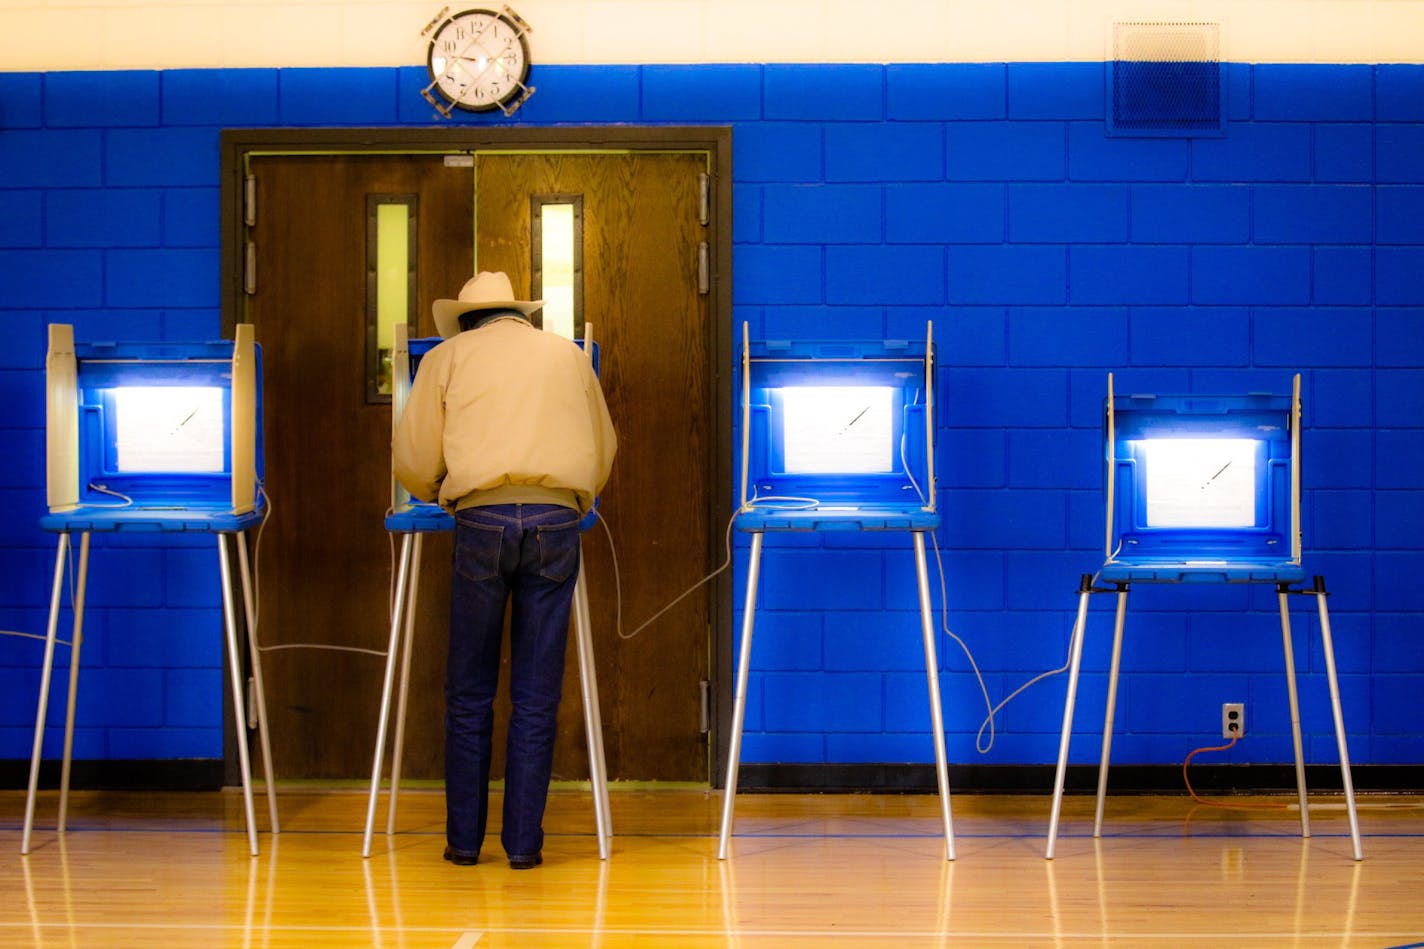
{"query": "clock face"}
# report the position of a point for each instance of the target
(478, 60)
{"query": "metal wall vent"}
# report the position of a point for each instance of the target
(1165, 79)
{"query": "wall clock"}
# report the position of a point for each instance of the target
(478, 61)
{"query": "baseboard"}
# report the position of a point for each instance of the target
(183, 774)
(1038, 779)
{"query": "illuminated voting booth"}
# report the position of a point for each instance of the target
(837, 436)
(1202, 489)
(157, 438)
(411, 519)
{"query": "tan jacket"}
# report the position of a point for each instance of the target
(505, 414)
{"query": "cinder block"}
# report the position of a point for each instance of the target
(117, 698)
(1400, 334)
(1054, 458)
(1397, 151)
(1006, 520)
(190, 217)
(337, 96)
(888, 639)
(1338, 398)
(1399, 457)
(1270, 276)
(786, 640)
(945, 91)
(1397, 271)
(222, 97)
(822, 214)
(888, 274)
(1056, 91)
(193, 698)
(1313, 214)
(730, 92)
(1190, 336)
(1319, 336)
(1339, 458)
(1005, 398)
(169, 277)
(823, 702)
(52, 158)
(104, 217)
(944, 213)
(22, 99)
(778, 151)
(1004, 274)
(815, 580)
(1128, 274)
(1067, 213)
(1399, 92)
(777, 275)
(1191, 214)
(1314, 92)
(129, 98)
(21, 219)
(1342, 276)
(798, 91)
(161, 157)
(884, 152)
(971, 458)
(1254, 151)
(976, 151)
(1345, 153)
(1093, 156)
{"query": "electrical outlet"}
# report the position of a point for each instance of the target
(1233, 720)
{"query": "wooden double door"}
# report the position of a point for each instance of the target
(325, 561)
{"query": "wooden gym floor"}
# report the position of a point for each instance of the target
(172, 869)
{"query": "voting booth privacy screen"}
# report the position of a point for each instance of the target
(837, 424)
(1198, 481)
(150, 426)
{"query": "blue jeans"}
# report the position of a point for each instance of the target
(527, 553)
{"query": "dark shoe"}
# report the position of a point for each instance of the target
(461, 858)
(525, 863)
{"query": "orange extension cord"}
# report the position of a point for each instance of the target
(1253, 806)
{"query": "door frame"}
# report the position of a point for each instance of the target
(238, 145)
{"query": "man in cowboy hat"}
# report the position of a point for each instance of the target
(506, 427)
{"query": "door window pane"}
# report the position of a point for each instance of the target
(390, 283)
(556, 244)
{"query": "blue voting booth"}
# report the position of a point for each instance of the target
(153, 438)
(411, 519)
(837, 436)
(1202, 489)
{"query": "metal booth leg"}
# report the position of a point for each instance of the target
(936, 709)
(397, 617)
(1074, 662)
(1111, 710)
(254, 651)
(1347, 782)
(238, 705)
(76, 640)
(592, 716)
(403, 693)
(1281, 591)
(739, 706)
(47, 669)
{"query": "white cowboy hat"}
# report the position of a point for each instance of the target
(486, 290)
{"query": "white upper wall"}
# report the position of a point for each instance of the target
(52, 35)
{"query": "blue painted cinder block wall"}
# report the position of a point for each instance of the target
(985, 197)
